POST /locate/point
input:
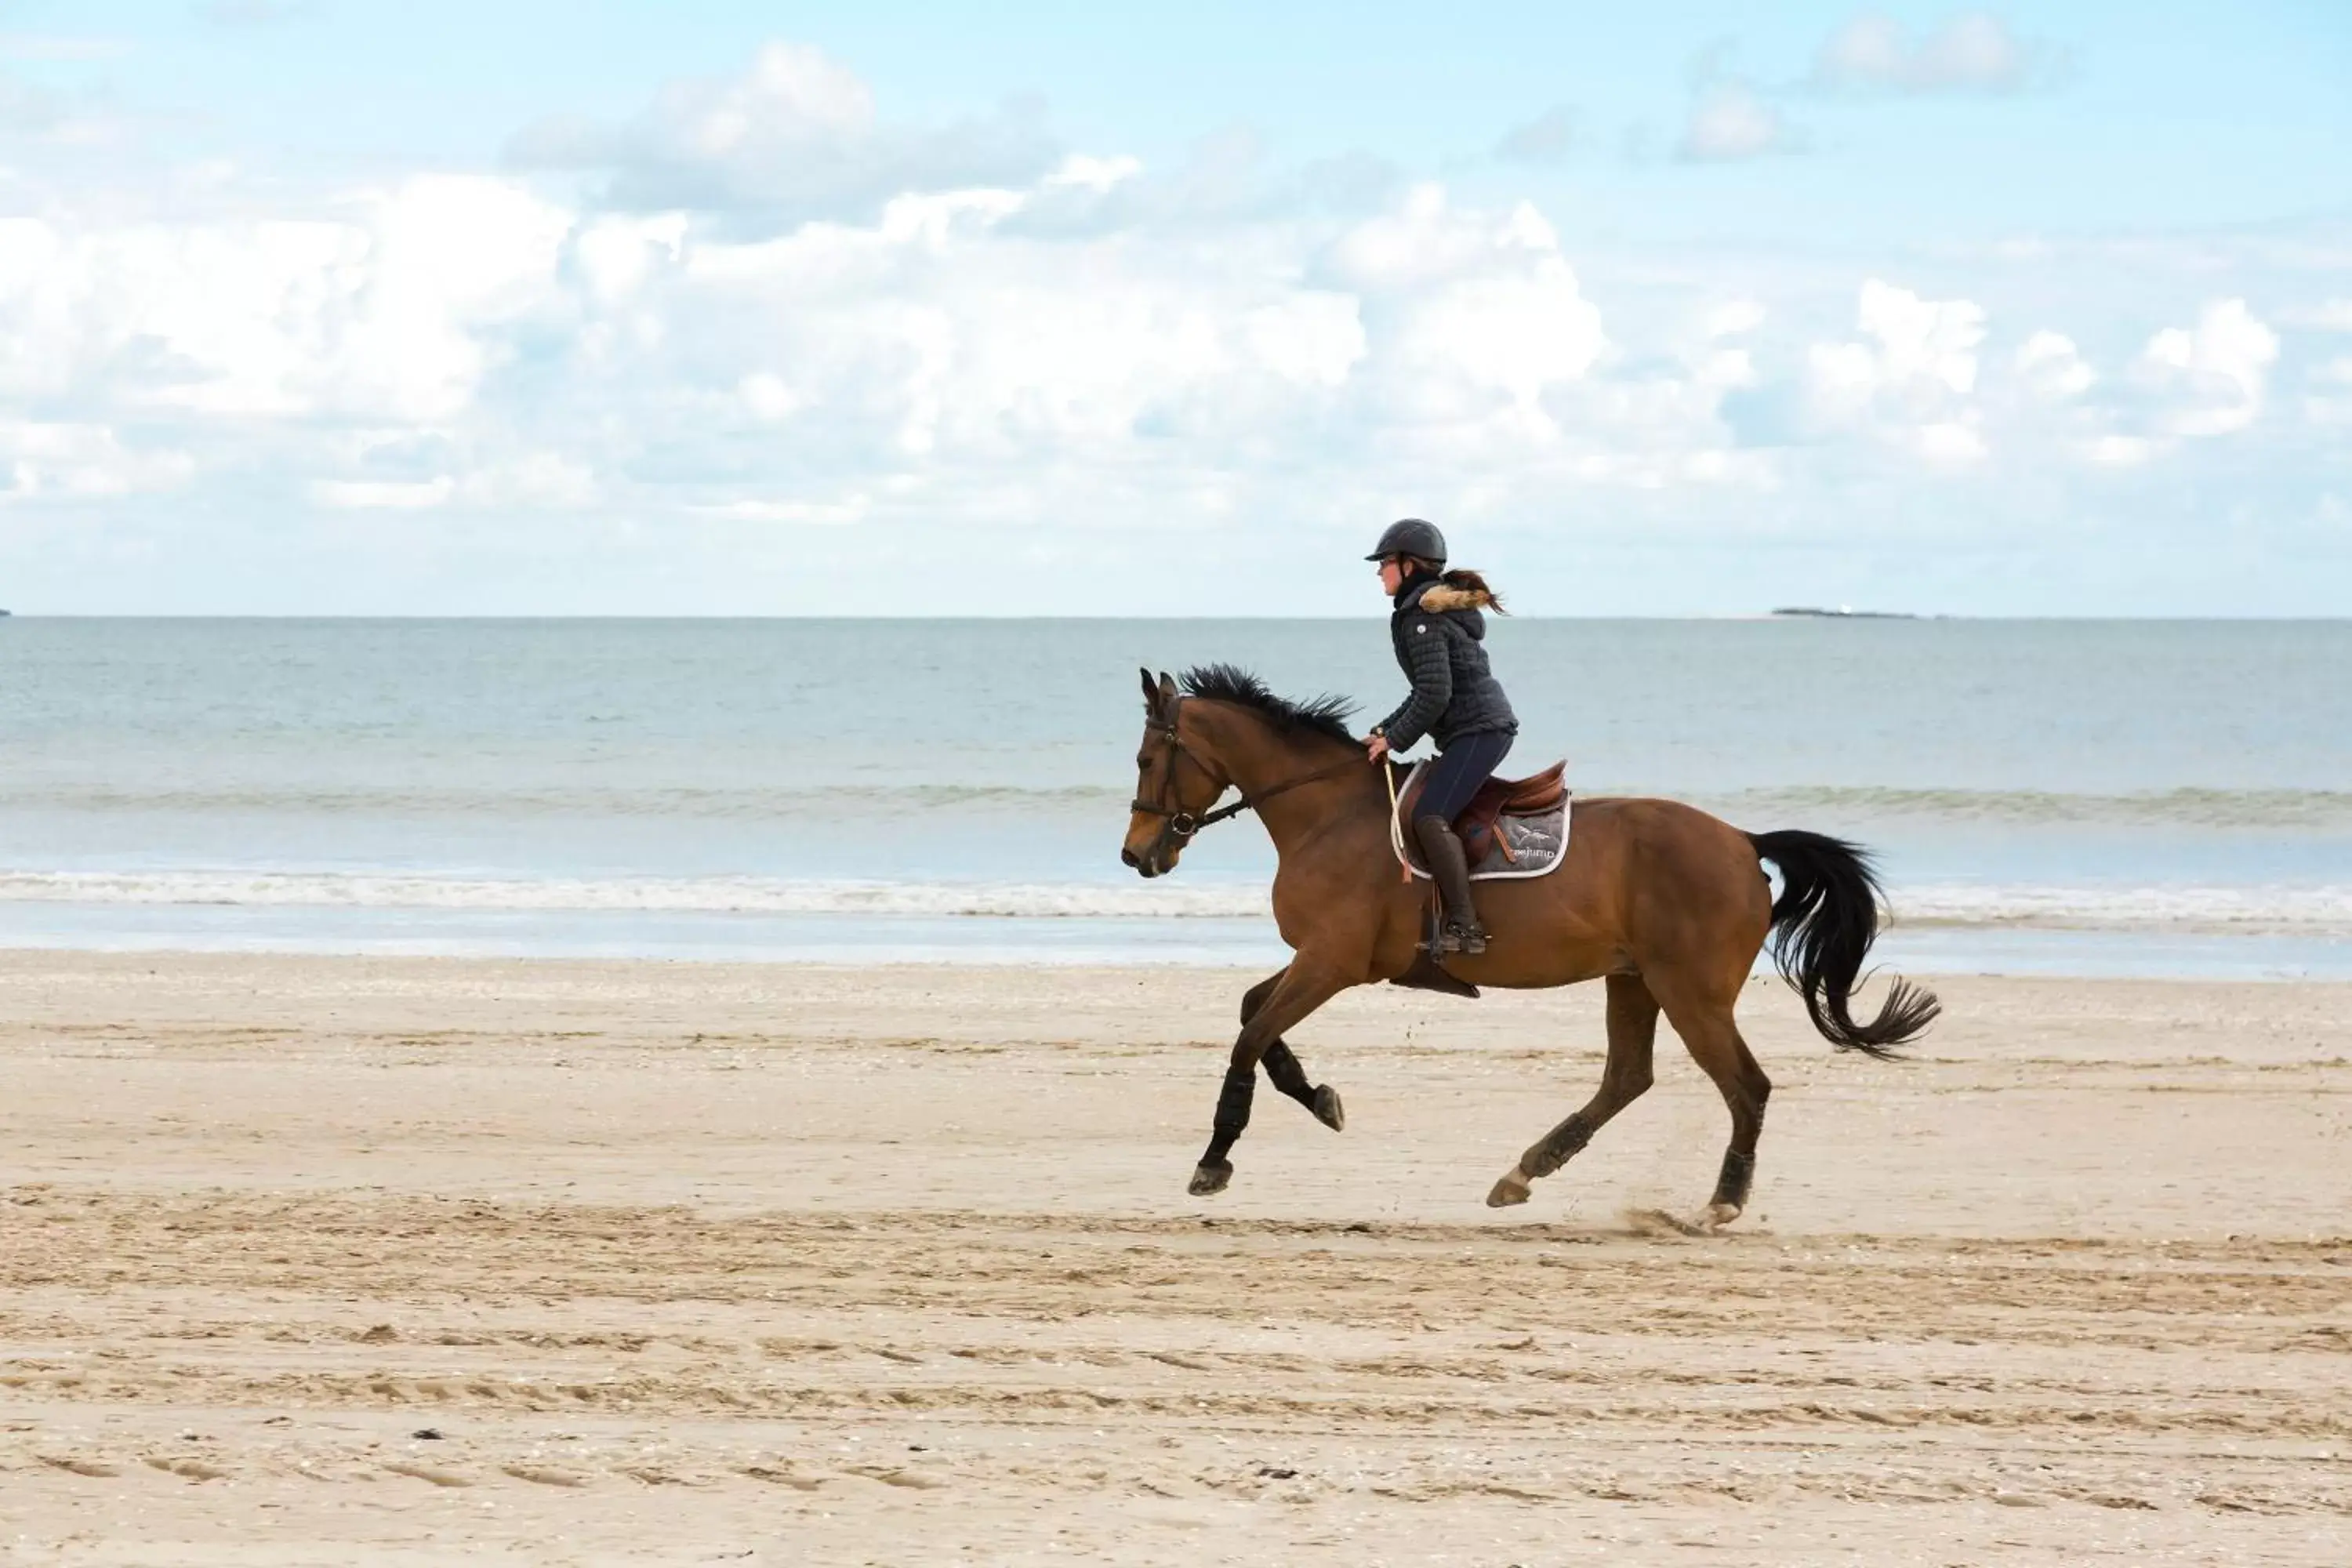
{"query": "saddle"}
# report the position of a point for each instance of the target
(1537, 794)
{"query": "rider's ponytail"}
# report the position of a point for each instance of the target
(1473, 583)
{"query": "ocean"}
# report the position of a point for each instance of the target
(2049, 797)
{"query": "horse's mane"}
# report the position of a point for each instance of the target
(1326, 715)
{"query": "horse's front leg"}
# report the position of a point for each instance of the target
(1298, 991)
(1284, 1069)
(1286, 1074)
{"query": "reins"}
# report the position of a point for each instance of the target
(1184, 824)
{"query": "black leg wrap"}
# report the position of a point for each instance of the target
(1232, 1113)
(1559, 1146)
(1738, 1171)
(1282, 1071)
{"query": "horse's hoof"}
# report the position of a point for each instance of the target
(1208, 1179)
(1328, 1108)
(1717, 1215)
(1513, 1189)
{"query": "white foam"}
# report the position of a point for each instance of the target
(2254, 909)
(655, 895)
(2318, 911)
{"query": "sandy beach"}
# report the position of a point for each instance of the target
(389, 1260)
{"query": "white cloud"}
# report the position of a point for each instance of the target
(384, 495)
(795, 136)
(1922, 342)
(467, 347)
(373, 311)
(1099, 175)
(1973, 51)
(1729, 121)
(2332, 403)
(1911, 382)
(797, 513)
(61, 46)
(769, 397)
(1421, 241)
(1546, 139)
(2329, 316)
(537, 480)
(25, 107)
(617, 255)
(1952, 441)
(1733, 317)
(1061, 363)
(2053, 368)
(59, 461)
(2208, 380)
(2119, 451)
(1477, 317)
(1310, 338)
(1515, 334)
(1922, 350)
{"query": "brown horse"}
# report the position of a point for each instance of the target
(1666, 903)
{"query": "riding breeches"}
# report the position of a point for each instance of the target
(1458, 772)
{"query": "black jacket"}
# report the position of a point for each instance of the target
(1440, 635)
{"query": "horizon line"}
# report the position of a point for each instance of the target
(1871, 616)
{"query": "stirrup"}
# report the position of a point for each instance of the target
(1455, 936)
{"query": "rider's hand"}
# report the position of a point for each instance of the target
(1375, 748)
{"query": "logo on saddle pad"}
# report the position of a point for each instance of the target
(1512, 827)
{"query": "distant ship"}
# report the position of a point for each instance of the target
(1844, 612)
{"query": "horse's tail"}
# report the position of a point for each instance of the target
(1822, 925)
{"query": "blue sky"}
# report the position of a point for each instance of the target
(323, 306)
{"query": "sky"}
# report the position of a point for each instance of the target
(323, 307)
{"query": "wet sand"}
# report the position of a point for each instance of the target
(693, 1263)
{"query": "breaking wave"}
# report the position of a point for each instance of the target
(750, 802)
(2247, 910)
(2246, 808)
(648, 895)
(2320, 910)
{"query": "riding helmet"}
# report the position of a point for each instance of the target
(1410, 536)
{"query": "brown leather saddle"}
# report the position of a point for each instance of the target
(1534, 795)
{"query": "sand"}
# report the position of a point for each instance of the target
(378, 1262)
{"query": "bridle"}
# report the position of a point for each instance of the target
(1183, 824)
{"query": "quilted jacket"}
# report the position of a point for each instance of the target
(1440, 636)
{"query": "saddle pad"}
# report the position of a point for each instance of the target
(1536, 844)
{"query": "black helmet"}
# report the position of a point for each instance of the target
(1410, 536)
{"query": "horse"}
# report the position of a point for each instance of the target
(1665, 904)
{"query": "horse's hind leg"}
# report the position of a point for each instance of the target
(1283, 1068)
(1715, 1043)
(1633, 1033)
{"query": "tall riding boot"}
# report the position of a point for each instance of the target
(1449, 866)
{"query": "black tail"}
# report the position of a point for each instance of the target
(1822, 925)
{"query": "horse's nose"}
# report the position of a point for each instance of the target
(1127, 857)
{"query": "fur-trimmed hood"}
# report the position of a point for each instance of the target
(1438, 598)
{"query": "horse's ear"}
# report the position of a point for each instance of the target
(1150, 694)
(1167, 692)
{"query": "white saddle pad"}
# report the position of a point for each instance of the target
(1523, 845)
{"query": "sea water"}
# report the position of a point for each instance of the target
(2095, 796)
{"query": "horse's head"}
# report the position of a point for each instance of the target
(1173, 785)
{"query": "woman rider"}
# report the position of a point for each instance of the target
(1438, 632)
